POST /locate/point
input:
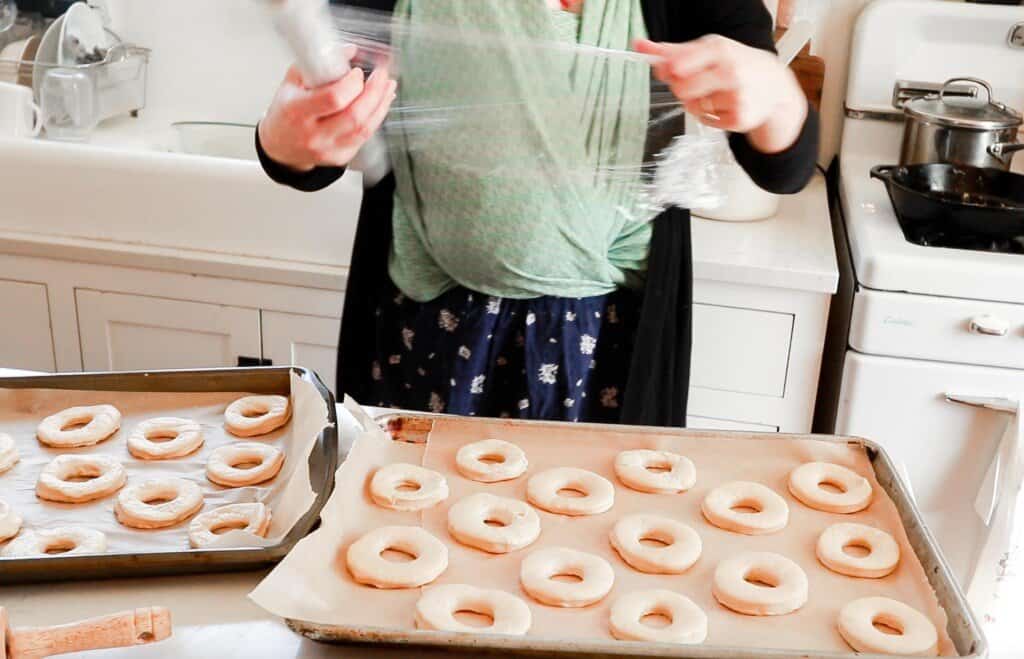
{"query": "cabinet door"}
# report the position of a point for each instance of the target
(26, 341)
(122, 332)
(308, 341)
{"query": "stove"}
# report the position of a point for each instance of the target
(924, 314)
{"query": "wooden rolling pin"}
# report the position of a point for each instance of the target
(119, 630)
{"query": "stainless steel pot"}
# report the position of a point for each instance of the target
(960, 131)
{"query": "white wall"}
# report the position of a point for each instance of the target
(213, 60)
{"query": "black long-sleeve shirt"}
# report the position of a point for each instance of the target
(656, 393)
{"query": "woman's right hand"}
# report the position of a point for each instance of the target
(305, 128)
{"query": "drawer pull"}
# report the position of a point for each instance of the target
(989, 326)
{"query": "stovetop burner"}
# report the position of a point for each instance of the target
(943, 236)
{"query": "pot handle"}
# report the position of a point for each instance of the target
(978, 81)
(1004, 151)
(882, 172)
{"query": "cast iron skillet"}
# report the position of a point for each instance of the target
(973, 200)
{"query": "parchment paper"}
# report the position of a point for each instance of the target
(289, 495)
(308, 586)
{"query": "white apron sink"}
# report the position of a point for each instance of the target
(171, 200)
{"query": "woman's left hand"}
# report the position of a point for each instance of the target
(734, 87)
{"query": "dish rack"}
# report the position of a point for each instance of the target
(118, 81)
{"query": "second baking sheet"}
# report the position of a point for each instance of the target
(718, 461)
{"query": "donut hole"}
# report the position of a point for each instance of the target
(887, 625)
(761, 578)
(75, 423)
(857, 549)
(158, 499)
(474, 617)
(228, 525)
(408, 487)
(659, 467)
(491, 459)
(397, 555)
(571, 492)
(655, 540)
(567, 576)
(81, 474)
(495, 522)
(832, 487)
(59, 547)
(656, 619)
(747, 507)
(246, 463)
(254, 412)
(159, 436)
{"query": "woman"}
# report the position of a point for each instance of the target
(531, 307)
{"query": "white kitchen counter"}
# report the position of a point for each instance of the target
(793, 250)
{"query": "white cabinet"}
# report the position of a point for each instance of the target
(26, 340)
(299, 340)
(134, 332)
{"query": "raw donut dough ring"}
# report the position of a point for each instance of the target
(438, 605)
(857, 627)
(101, 421)
(683, 545)
(882, 559)
(806, 480)
(467, 523)
(222, 466)
(8, 452)
(469, 460)
(689, 623)
(10, 521)
(181, 499)
(74, 539)
(256, 415)
(542, 491)
(772, 515)
(537, 570)
(186, 437)
(107, 474)
(432, 488)
(367, 566)
(250, 517)
(733, 590)
(633, 468)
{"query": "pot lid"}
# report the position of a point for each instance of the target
(977, 113)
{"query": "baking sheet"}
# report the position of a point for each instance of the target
(289, 495)
(335, 600)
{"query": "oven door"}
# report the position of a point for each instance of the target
(948, 451)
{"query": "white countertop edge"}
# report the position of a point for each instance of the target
(193, 262)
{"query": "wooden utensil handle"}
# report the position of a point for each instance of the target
(114, 631)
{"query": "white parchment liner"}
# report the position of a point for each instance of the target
(313, 585)
(289, 495)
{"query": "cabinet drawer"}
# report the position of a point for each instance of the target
(741, 350)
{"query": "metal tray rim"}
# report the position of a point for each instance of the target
(363, 635)
(185, 560)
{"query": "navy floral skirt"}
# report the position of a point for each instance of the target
(465, 353)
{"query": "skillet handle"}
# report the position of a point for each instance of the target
(882, 172)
